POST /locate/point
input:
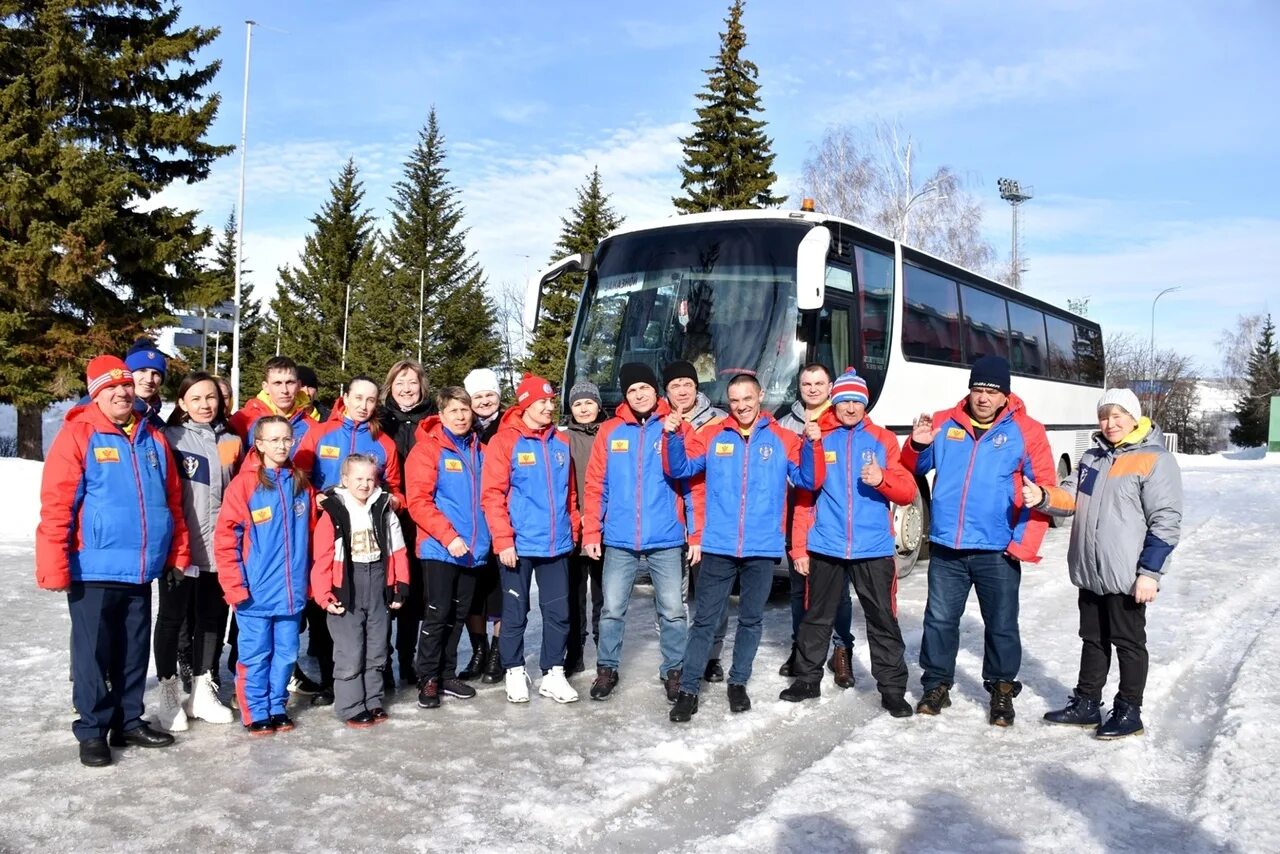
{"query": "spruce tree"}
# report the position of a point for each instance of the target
(1263, 376)
(218, 286)
(728, 159)
(581, 231)
(102, 106)
(311, 301)
(427, 248)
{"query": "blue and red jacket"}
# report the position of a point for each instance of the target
(110, 504)
(745, 493)
(302, 419)
(325, 446)
(262, 543)
(443, 473)
(527, 489)
(977, 485)
(631, 503)
(847, 519)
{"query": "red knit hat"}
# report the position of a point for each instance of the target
(533, 388)
(106, 372)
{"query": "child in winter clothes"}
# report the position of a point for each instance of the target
(588, 415)
(360, 571)
(1128, 503)
(262, 542)
(443, 473)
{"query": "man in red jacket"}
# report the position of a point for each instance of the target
(110, 522)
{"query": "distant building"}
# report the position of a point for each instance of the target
(1216, 411)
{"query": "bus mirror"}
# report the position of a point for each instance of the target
(811, 268)
(533, 288)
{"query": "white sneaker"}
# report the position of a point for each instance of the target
(555, 686)
(203, 704)
(517, 685)
(168, 714)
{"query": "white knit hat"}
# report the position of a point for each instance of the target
(1123, 398)
(481, 379)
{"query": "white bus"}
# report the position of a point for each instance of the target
(766, 292)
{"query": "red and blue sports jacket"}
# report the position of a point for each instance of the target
(443, 473)
(977, 485)
(745, 492)
(325, 446)
(303, 418)
(527, 490)
(110, 504)
(847, 519)
(262, 543)
(631, 502)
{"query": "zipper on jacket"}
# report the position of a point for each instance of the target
(852, 493)
(288, 560)
(964, 491)
(639, 482)
(551, 495)
(742, 504)
(142, 509)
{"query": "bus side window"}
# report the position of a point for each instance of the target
(932, 324)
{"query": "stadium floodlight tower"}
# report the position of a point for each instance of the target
(1015, 194)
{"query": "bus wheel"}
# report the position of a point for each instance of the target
(911, 522)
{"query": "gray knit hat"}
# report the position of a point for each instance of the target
(584, 390)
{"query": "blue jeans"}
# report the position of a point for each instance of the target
(553, 599)
(619, 577)
(996, 577)
(715, 583)
(843, 634)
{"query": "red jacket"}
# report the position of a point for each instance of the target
(528, 491)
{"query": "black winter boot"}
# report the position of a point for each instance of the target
(1079, 711)
(493, 670)
(1002, 694)
(606, 681)
(1125, 720)
(479, 651)
(801, 691)
(685, 708)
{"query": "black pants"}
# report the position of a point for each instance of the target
(449, 589)
(319, 641)
(486, 599)
(201, 596)
(1112, 619)
(875, 581)
(406, 621)
(110, 630)
(582, 570)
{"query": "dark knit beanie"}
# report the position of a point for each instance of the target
(636, 372)
(307, 377)
(680, 370)
(583, 390)
(990, 372)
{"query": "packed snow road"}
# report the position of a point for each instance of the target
(833, 775)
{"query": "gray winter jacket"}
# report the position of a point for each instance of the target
(795, 419)
(1128, 513)
(704, 412)
(207, 458)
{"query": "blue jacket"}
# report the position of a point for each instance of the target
(322, 450)
(110, 504)
(443, 473)
(847, 519)
(631, 503)
(527, 489)
(262, 543)
(745, 493)
(977, 485)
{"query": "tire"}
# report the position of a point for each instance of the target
(911, 540)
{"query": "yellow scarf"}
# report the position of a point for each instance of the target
(1138, 433)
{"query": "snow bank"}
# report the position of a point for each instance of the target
(19, 499)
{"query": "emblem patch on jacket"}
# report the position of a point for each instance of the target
(619, 446)
(829, 456)
(262, 514)
(999, 439)
(453, 465)
(526, 458)
(724, 449)
(766, 452)
(329, 452)
(106, 455)
(955, 433)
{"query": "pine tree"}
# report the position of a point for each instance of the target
(587, 224)
(1254, 408)
(427, 248)
(311, 302)
(728, 159)
(102, 106)
(218, 286)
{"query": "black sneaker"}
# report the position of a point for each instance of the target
(738, 699)
(801, 691)
(714, 672)
(685, 708)
(457, 688)
(788, 667)
(494, 672)
(263, 727)
(95, 753)
(282, 722)
(606, 681)
(429, 694)
(301, 683)
(934, 700)
(1002, 694)
(896, 705)
(363, 720)
(323, 697)
(672, 684)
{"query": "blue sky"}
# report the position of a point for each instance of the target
(1144, 127)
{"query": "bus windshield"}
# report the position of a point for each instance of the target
(721, 296)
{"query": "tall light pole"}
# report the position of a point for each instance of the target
(244, 132)
(422, 306)
(346, 317)
(1015, 194)
(1151, 379)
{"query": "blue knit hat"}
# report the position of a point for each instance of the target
(143, 354)
(849, 388)
(990, 372)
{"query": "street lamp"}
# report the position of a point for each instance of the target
(1151, 379)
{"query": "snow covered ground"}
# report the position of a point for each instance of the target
(837, 775)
